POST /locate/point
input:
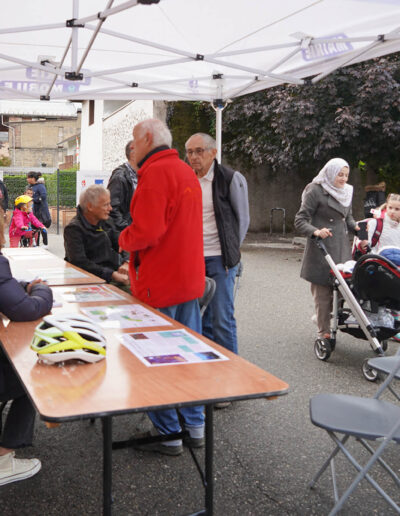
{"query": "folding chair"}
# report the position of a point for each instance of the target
(208, 294)
(365, 419)
(386, 365)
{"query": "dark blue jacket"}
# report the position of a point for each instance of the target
(40, 206)
(15, 303)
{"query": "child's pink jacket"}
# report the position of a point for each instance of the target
(19, 219)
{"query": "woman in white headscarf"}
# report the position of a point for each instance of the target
(325, 212)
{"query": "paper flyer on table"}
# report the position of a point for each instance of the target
(57, 273)
(82, 294)
(124, 316)
(171, 347)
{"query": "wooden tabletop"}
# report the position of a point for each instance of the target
(122, 383)
(27, 263)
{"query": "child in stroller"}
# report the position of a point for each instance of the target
(363, 302)
(23, 222)
(370, 288)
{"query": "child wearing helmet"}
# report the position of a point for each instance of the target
(23, 220)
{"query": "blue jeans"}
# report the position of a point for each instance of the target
(166, 421)
(219, 323)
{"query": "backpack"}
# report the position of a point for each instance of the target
(356, 252)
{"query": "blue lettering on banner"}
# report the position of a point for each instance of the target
(43, 76)
(39, 87)
(320, 50)
(98, 181)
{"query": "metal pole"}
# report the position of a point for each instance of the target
(209, 499)
(218, 131)
(13, 139)
(58, 201)
(74, 37)
(107, 464)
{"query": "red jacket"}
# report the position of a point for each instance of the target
(165, 238)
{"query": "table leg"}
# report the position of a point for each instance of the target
(107, 464)
(209, 476)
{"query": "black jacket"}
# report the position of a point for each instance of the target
(122, 188)
(3, 196)
(93, 248)
(226, 220)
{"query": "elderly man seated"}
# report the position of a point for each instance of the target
(91, 240)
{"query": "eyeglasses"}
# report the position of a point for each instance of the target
(196, 152)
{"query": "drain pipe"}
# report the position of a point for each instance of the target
(13, 130)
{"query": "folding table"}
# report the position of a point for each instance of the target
(122, 384)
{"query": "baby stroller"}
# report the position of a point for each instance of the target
(369, 294)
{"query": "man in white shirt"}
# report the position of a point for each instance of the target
(225, 223)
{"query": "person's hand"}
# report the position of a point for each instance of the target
(120, 278)
(323, 233)
(363, 245)
(32, 283)
(357, 228)
(25, 228)
(43, 230)
(124, 269)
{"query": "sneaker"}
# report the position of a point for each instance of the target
(45, 246)
(194, 442)
(222, 404)
(12, 469)
(158, 447)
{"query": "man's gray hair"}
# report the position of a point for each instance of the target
(91, 194)
(128, 149)
(208, 140)
(161, 134)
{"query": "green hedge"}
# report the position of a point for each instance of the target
(16, 185)
(67, 188)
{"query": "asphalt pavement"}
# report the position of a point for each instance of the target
(265, 451)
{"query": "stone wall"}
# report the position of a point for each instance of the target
(268, 190)
(117, 129)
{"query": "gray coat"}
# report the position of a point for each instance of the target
(320, 210)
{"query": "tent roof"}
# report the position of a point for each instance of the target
(184, 49)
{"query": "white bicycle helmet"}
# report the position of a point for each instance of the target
(67, 337)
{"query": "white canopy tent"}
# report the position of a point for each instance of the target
(211, 50)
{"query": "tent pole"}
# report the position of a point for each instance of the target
(218, 106)
(74, 37)
(218, 131)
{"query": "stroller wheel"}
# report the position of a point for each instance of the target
(384, 345)
(369, 372)
(322, 349)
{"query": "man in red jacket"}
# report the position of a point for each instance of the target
(166, 265)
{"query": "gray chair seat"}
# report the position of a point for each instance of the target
(367, 418)
(385, 364)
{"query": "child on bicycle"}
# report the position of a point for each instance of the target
(23, 221)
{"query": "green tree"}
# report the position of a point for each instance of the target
(353, 113)
(186, 118)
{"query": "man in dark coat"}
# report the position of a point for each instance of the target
(122, 185)
(91, 240)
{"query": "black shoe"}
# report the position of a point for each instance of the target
(222, 404)
(194, 442)
(158, 447)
